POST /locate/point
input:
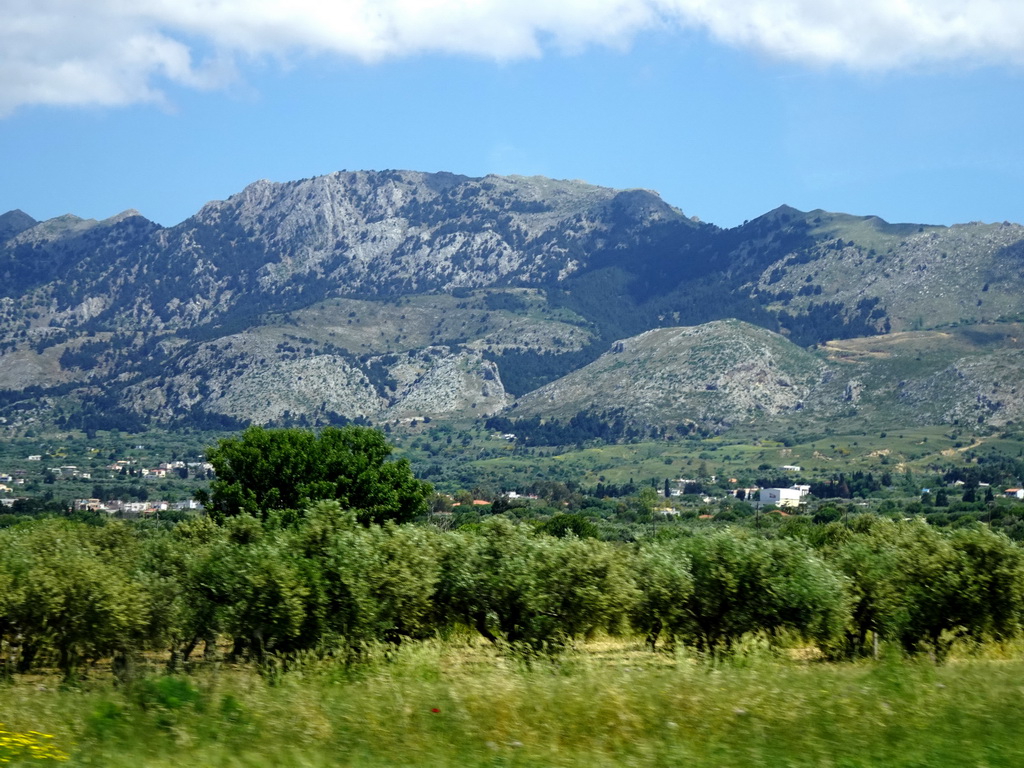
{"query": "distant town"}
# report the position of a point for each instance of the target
(13, 483)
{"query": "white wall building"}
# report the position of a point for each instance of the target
(781, 497)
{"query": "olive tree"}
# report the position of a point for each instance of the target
(67, 595)
(868, 562)
(528, 591)
(664, 584)
(267, 593)
(743, 583)
(992, 598)
(968, 583)
(369, 583)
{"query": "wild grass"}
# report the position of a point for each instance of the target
(611, 704)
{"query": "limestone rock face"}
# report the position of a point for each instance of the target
(247, 377)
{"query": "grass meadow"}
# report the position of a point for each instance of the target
(610, 703)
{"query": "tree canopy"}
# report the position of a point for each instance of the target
(264, 471)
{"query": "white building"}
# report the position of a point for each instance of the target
(781, 497)
(91, 505)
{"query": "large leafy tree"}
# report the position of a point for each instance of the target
(265, 471)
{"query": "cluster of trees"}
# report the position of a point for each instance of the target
(609, 426)
(85, 357)
(991, 468)
(103, 412)
(859, 485)
(72, 593)
(524, 370)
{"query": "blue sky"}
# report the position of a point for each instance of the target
(726, 114)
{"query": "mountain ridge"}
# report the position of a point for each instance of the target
(478, 281)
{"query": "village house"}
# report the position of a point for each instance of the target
(132, 508)
(781, 497)
(89, 505)
(745, 493)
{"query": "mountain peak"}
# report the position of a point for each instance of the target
(787, 209)
(130, 213)
(13, 223)
(783, 212)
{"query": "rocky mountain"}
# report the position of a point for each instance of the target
(729, 374)
(13, 223)
(276, 246)
(398, 295)
(718, 372)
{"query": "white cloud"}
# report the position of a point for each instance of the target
(111, 52)
(868, 34)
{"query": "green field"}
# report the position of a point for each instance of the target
(610, 704)
(466, 455)
(489, 459)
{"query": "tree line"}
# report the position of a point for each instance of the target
(72, 594)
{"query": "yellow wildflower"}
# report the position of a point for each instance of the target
(19, 745)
